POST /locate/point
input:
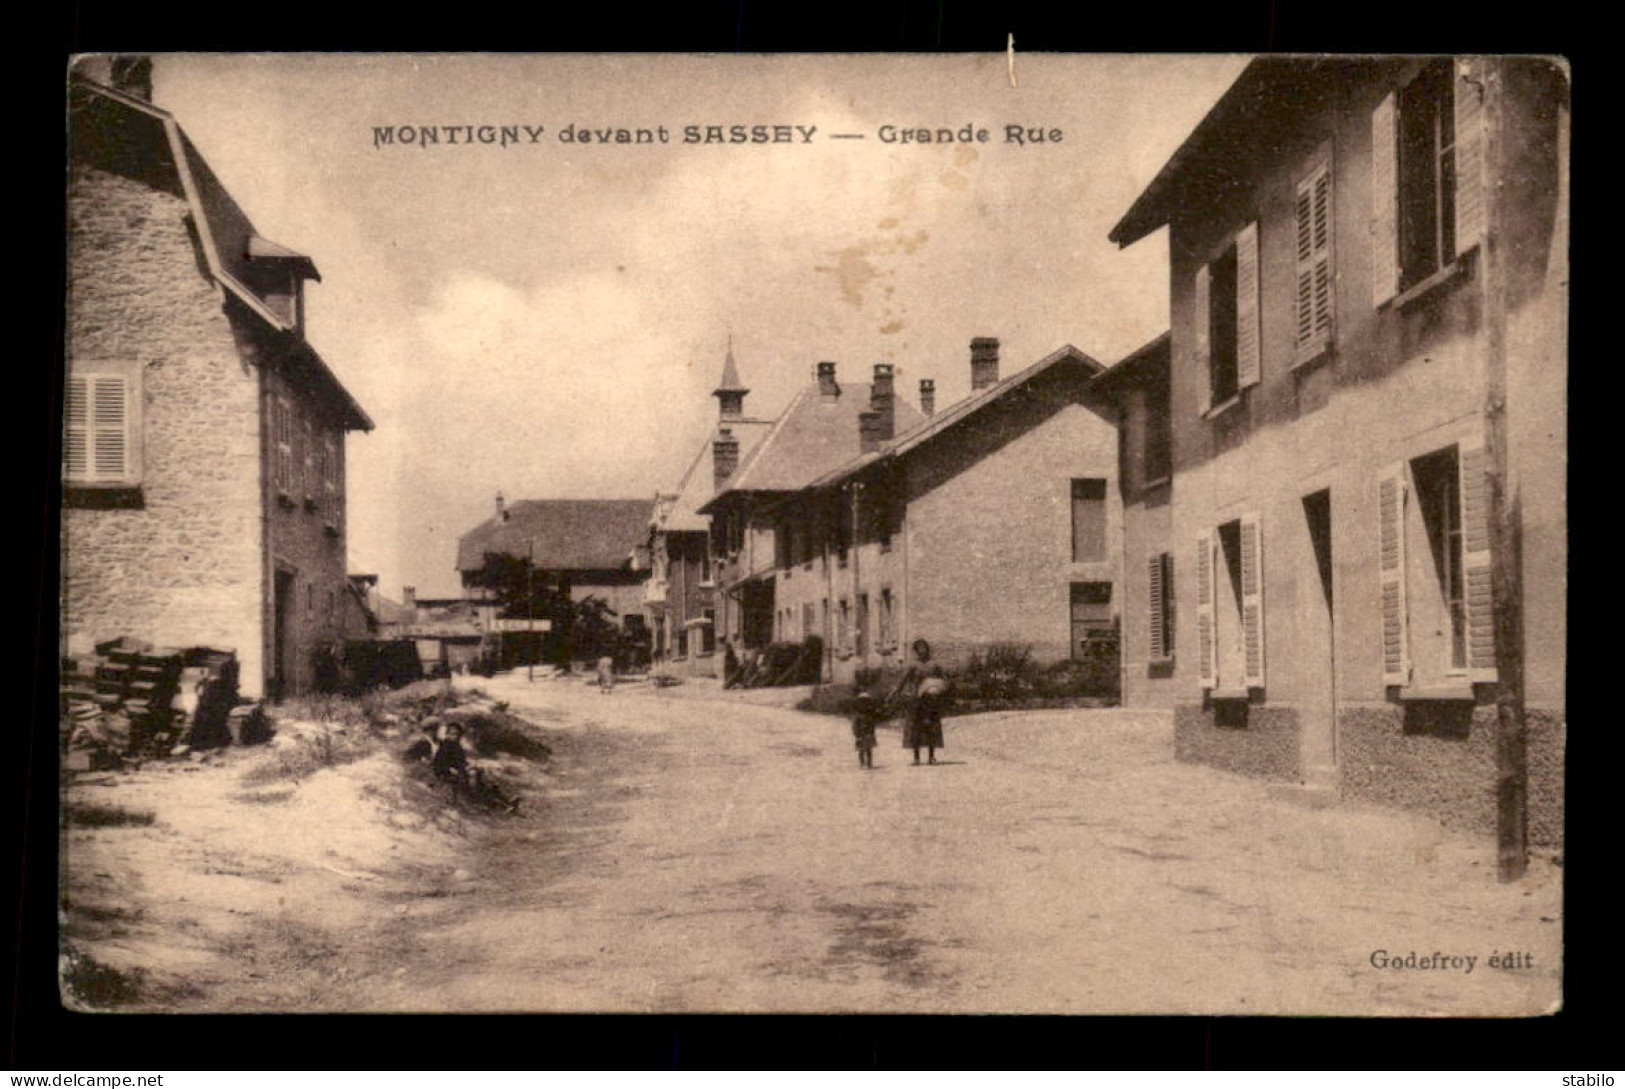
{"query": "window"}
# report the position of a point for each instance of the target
(809, 621)
(1091, 604)
(1227, 337)
(309, 482)
(861, 635)
(1159, 438)
(888, 630)
(1160, 607)
(331, 477)
(1312, 225)
(1427, 182)
(1230, 606)
(282, 437)
(1434, 569)
(102, 440)
(708, 633)
(1088, 521)
(844, 634)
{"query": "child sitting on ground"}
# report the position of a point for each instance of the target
(866, 715)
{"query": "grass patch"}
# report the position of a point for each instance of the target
(89, 815)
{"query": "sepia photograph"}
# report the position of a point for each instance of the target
(959, 533)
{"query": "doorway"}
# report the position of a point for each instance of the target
(1318, 649)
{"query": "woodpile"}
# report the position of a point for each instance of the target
(131, 700)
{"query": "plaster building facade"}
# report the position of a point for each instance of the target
(204, 442)
(1368, 291)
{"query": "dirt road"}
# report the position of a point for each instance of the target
(698, 854)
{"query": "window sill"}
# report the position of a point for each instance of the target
(1232, 694)
(84, 496)
(1221, 408)
(1308, 363)
(1448, 691)
(1158, 482)
(1438, 283)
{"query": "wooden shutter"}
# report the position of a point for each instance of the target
(1469, 137)
(282, 432)
(110, 422)
(1313, 222)
(1384, 201)
(1247, 334)
(1207, 663)
(1474, 463)
(1203, 339)
(1156, 614)
(1252, 600)
(76, 452)
(1396, 665)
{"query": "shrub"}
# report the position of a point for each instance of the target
(106, 816)
(1004, 671)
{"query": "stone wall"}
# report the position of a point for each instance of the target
(1253, 739)
(181, 566)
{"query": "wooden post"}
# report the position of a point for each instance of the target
(1506, 581)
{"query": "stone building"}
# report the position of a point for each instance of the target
(204, 469)
(680, 593)
(992, 521)
(1364, 254)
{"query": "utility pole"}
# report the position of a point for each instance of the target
(530, 609)
(1506, 560)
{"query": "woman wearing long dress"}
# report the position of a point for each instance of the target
(926, 687)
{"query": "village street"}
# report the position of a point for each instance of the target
(698, 851)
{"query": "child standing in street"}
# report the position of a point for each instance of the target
(866, 714)
(606, 675)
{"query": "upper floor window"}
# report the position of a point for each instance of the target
(1227, 334)
(1427, 185)
(1159, 436)
(282, 436)
(1088, 520)
(102, 434)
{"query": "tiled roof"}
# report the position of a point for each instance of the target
(929, 426)
(812, 437)
(566, 534)
(153, 143)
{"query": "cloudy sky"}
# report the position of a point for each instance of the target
(548, 319)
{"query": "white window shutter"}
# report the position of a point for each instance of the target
(1252, 600)
(109, 428)
(76, 453)
(1248, 365)
(1203, 338)
(1157, 648)
(1384, 201)
(1396, 665)
(1474, 462)
(1313, 310)
(1207, 659)
(1469, 135)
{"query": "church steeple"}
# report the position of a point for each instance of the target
(730, 392)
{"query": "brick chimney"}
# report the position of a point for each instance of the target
(502, 508)
(869, 432)
(409, 601)
(984, 362)
(883, 401)
(928, 396)
(133, 75)
(724, 457)
(829, 391)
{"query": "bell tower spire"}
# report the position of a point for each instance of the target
(730, 392)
